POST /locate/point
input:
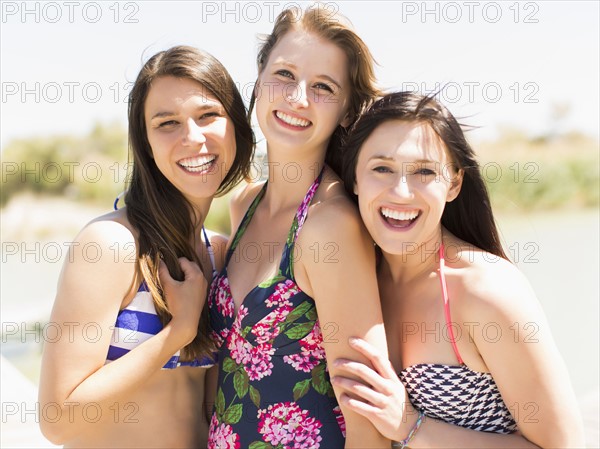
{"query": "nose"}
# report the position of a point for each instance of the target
(402, 187)
(296, 94)
(192, 134)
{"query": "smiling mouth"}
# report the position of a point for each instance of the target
(292, 121)
(198, 164)
(399, 218)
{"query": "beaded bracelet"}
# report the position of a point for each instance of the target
(404, 443)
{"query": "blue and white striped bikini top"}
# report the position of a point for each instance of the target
(139, 321)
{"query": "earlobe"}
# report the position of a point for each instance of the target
(355, 189)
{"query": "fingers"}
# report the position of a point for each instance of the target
(360, 407)
(360, 390)
(365, 374)
(381, 364)
(189, 268)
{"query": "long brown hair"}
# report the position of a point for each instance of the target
(336, 29)
(155, 207)
(469, 216)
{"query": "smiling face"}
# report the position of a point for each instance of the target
(404, 177)
(191, 136)
(302, 92)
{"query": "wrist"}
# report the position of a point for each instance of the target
(409, 418)
(408, 428)
(178, 335)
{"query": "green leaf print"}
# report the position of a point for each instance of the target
(233, 414)
(229, 366)
(240, 383)
(298, 331)
(298, 312)
(220, 403)
(245, 331)
(272, 281)
(242, 229)
(311, 314)
(319, 381)
(260, 445)
(301, 388)
(255, 396)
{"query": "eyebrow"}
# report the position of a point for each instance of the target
(392, 159)
(295, 67)
(202, 107)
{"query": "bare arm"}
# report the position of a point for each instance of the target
(381, 397)
(90, 292)
(339, 264)
(534, 384)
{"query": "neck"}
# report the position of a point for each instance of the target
(417, 261)
(290, 177)
(199, 213)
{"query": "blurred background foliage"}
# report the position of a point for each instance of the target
(556, 170)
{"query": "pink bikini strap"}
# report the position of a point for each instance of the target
(447, 305)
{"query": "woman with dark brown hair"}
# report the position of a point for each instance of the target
(138, 381)
(472, 362)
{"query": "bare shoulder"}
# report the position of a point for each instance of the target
(106, 248)
(332, 214)
(244, 195)
(483, 284)
(240, 202)
(107, 230)
(101, 266)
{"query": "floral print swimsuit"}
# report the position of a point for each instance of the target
(274, 389)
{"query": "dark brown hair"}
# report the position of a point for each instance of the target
(156, 208)
(469, 216)
(335, 28)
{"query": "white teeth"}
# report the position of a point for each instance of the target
(197, 164)
(399, 215)
(292, 120)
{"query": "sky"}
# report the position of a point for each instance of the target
(68, 65)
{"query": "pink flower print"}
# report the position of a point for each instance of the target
(216, 338)
(283, 292)
(313, 343)
(340, 419)
(242, 313)
(268, 328)
(221, 436)
(260, 364)
(220, 296)
(285, 424)
(311, 351)
(300, 362)
(256, 359)
(238, 346)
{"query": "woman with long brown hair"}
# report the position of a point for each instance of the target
(472, 362)
(138, 380)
